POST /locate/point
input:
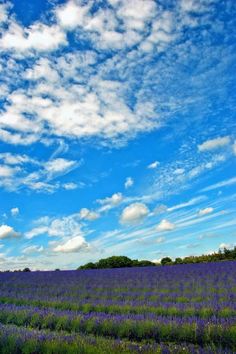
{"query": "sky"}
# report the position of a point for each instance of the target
(117, 130)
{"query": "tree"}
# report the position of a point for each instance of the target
(166, 260)
(89, 265)
(115, 262)
(26, 270)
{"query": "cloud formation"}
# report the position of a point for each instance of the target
(129, 182)
(7, 231)
(87, 214)
(110, 202)
(15, 211)
(214, 144)
(74, 244)
(205, 211)
(134, 213)
(32, 249)
(165, 225)
(153, 165)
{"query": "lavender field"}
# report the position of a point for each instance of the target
(172, 309)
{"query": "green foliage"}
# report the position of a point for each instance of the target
(117, 262)
(26, 270)
(166, 260)
(225, 255)
(123, 261)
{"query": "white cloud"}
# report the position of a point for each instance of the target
(71, 15)
(134, 213)
(63, 227)
(40, 230)
(205, 211)
(129, 182)
(42, 69)
(39, 37)
(153, 165)
(15, 211)
(88, 214)
(4, 12)
(226, 245)
(191, 202)
(70, 186)
(7, 171)
(179, 171)
(59, 165)
(8, 232)
(165, 225)
(234, 147)
(74, 244)
(32, 249)
(225, 183)
(214, 144)
(110, 202)
(16, 159)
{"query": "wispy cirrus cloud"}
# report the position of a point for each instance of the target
(225, 183)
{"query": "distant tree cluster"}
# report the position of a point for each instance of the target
(221, 255)
(117, 262)
(123, 261)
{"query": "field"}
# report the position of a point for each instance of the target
(172, 309)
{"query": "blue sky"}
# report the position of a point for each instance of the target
(117, 130)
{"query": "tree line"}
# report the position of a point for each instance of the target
(123, 261)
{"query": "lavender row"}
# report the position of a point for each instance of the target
(30, 311)
(203, 310)
(21, 340)
(131, 327)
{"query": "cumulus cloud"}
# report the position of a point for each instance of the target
(129, 182)
(15, 211)
(71, 15)
(205, 211)
(134, 213)
(87, 214)
(8, 232)
(214, 144)
(165, 225)
(153, 165)
(74, 244)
